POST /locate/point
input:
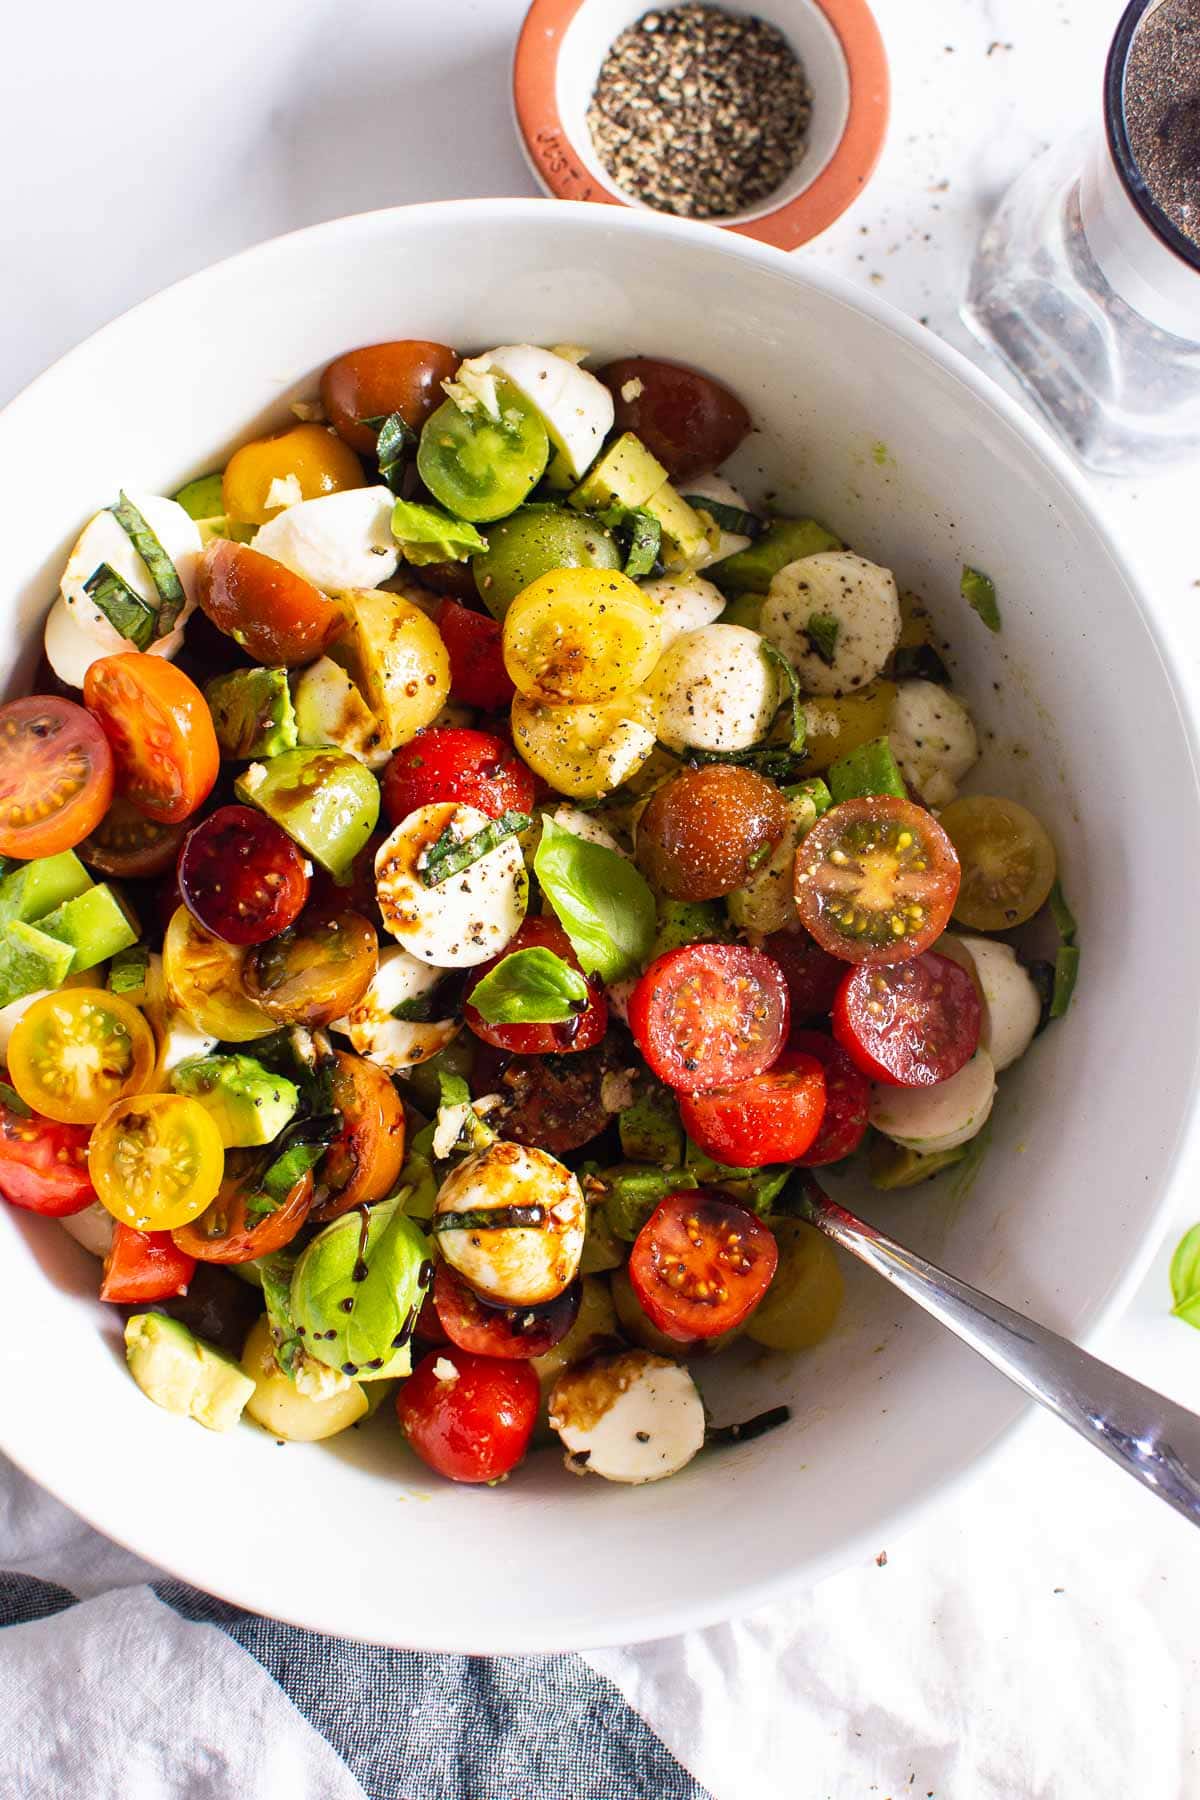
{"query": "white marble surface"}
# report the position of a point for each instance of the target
(141, 142)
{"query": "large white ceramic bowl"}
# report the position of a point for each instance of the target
(873, 425)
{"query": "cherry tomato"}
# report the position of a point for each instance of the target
(474, 1425)
(161, 732)
(451, 762)
(144, 1265)
(306, 454)
(314, 972)
(56, 775)
(364, 1160)
(1008, 861)
(241, 876)
(768, 1118)
(478, 676)
(705, 830)
(847, 1100)
(156, 1160)
(709, 1015)
(405, 376)
(552, 1103)
(813, 976)
(128, 845)
(75, 1052)
(234, 1228)
(700, 1264)
(911, 1024)
(876, 880)
(688, 420)
(509, 1331)
(43, 1165)
(578, 1033)
(276, 616)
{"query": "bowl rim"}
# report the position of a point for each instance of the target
(694, 1612)
(551, 154)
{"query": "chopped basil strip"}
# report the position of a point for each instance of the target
(749, 1428)
(12, 1101)
(782, 666)
(394, 447)
(640, 534)
(417, 1010)
(491, 1218)
(601, 901)
(162, 570)
(290, 1168)
(1066, 974)
(125, 611)
(822, 632)
(730, 518)
(530, 987)
(979, 592)
(275, 1273)
(920, 662)
(449, 854)
(1064, 918)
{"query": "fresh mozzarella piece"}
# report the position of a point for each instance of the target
(631, 1417)
(93, 1228)
(767, 903)
(79, 635)
(174, 1033)
(376, 1033)
(688, 602)
(576, 409)
(77, 632)
(714, 690)
(931, 1119)
(583, 825)
(468, 917)
(336, 541)
(858, 596)
(517, 1265)
(715, 487)
(932, 739)
(1012, 1006)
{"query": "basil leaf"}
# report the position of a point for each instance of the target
(730, 518)
(125, 611)
(979, 592)
(1066, 974)
(822, 632)
(375, 1258)
(275, 1273)
(449, 854)
(530, 987)
(1185, 1278)
(394, 447)
(603, 904)
(1064, 918)
(290, 1168)
(749, 1428)
(429, 534)
(782, 666)
(161, 569)
(12, 1101)
(641, 536)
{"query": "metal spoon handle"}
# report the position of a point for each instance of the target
(1145, 1433)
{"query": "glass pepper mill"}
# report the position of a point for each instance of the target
(1087, 280)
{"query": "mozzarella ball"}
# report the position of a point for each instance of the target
(465, 919)
(77, 632)
(516, 1265)
(931, 1119)
(714, 690)
(932, 739)
(372, 1027)
(688, 602)
(860, 608)
(632, 1417)
(337, 541)
(1012, 1006)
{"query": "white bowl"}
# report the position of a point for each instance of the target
(873, 425)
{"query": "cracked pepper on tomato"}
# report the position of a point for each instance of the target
(464, 864)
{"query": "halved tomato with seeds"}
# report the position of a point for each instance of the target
(700, 1265)
(710, 1014)
(876, 880)
(56, 775)
(911, 1024)
(161, 732)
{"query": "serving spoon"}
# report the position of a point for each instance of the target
(1144, 1433)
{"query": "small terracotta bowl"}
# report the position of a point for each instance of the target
(564, 42)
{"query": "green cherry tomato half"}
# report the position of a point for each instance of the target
(479, 467)
(535, 541)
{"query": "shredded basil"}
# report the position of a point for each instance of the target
(275, 1272)
(416, 1011)
(491, 1218)
(822, 632)
(730, 518)
(449, 854)
(979, 592)
(920, 662)
(126, 612)
(640, 534)
(780, 663)
(394, 447)
(162, 570)
(749, 1428)
(12, 1101)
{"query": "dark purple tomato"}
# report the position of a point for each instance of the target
(241, 876)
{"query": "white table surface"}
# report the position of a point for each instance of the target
(143, 141)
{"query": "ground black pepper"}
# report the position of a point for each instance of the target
(1162, 109)
(700, 112)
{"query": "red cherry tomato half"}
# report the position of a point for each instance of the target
(700, 1265)
(876, 880)
(847, 1100)
(161, 733)
(478, 676)
(241, 876)
(452, 762)
(911, 1024)
(769, 1118)
(43, 1165)
(469, 1417)
(276, 616)
(710, 1014)
(56, 776)
(688, 420)
(578, 1033)
(813, 976)
(144, 1265)
(429, 1328)
(515, 1332)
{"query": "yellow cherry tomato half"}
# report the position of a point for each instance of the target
(583, 751)
(156, 1161)
(579, 637)
(203, 977)
(307, 461)
(1008, 861)
(76, 1051)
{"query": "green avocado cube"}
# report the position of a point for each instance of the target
(182, 1374)
(626, 475)
(30, 961)
(650, 1129)
(252, 713)
(248, 1103)
(869, 769)
(684, 533)
(784, 541)
(95, 925)
(633, 1190)
(201, 499)
(31, 890)
(682, 922)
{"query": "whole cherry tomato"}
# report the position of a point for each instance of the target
(452, 762)
(478, 676)
(688, 420)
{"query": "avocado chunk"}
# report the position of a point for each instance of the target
(784, 541)
(202, 498)
(891, 1165)
(757, 1189)
(681, 922)
(30, 961)
(248, 1103)
(325, 799)
(633, 1190)
(31, 890)
(96, 925)
(650, 1129)
(358, 1288)
(684, 533)
(182, 1374)
(252, 713)
(869, 769)
(129, 974)
(332, 714)
(626, 475)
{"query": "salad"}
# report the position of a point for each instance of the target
(465, 867)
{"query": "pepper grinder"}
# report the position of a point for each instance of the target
(1087, 280)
